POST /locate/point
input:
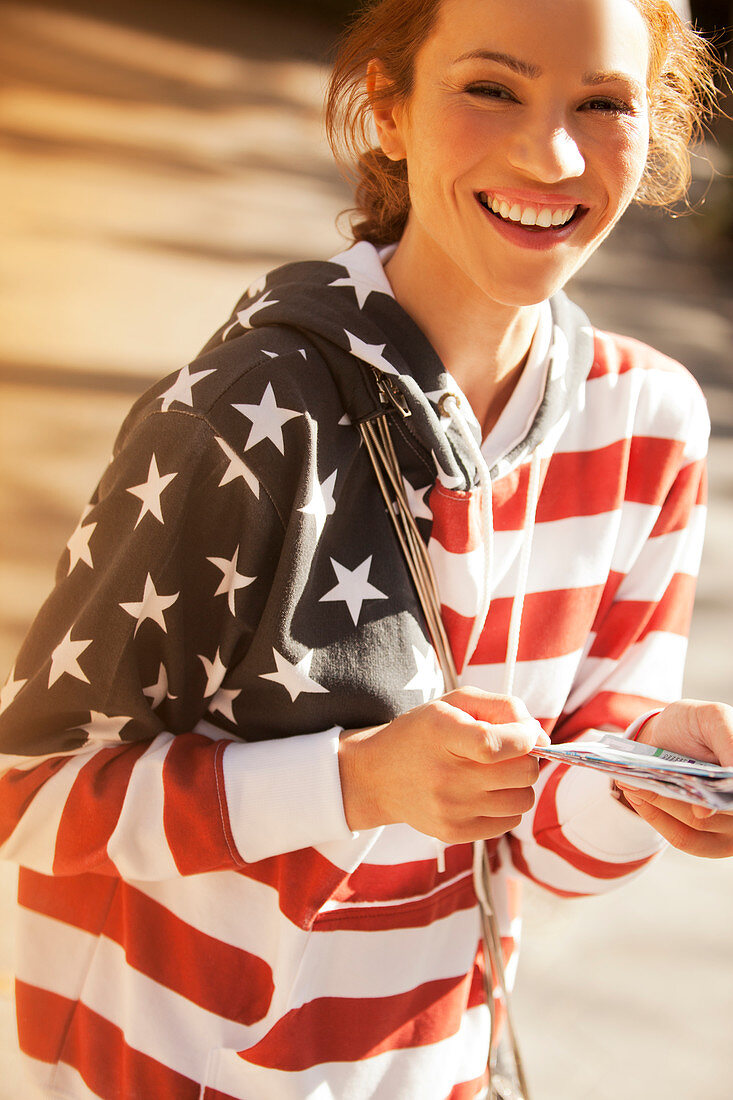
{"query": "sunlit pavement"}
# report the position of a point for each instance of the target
(147, 173)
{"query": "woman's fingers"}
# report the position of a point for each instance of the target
(516, 771)
(705, 731)
(468, 830)
(486, 728)
(460, 762)
(709, 834)
(485, 706)
(506, 803)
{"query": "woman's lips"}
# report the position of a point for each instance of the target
(532, 236)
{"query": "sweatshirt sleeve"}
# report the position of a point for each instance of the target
(579, 839)
(114, 755)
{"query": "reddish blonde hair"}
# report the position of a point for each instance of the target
(681, 89)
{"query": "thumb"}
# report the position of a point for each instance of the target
(715, 730)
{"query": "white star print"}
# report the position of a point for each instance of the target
(10, 690)
(181, 389)
(151, 606)
(237, 468)
(294, 678)
(223, 701)
(215, 673)
(267, 420)
(231, 580)
(362, 292)
(428, 679)
(353, 587)
(321, 503)
(78, 544)
(158, 691)
(64, 659)
(257, 285)
(244, 316)
(149, 492)
(416, 500)
(345, 421)
(370, 353)
(104, 727)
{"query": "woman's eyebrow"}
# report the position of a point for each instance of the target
(609, 77)
(524, 68)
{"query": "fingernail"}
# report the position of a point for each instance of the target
(543, 740)
(632, 796)
(702, 811)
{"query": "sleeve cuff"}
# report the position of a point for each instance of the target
(633, 731)
(598, 824)
(284, 795)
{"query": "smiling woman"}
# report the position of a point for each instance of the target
(253, 823)
(526, 132)
(679, 84)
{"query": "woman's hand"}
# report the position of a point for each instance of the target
(456, 768)
(703, 731)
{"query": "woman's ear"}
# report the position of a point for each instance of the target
(386, 113)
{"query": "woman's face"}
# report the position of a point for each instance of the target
(525, 138)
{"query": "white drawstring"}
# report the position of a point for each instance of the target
(480, 870)
(450, 405)
(530, 512)
(478, 876)
(379, 445)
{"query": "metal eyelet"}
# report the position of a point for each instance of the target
(443, 400)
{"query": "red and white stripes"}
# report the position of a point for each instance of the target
(157, 962)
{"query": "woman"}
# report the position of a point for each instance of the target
(244, 810)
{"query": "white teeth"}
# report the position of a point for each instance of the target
(543, 217)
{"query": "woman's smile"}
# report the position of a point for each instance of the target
(531, 116)
(531, 224)
(532, 211)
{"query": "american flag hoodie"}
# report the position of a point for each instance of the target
(196, 920)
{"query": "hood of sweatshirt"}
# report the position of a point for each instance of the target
(379, 357)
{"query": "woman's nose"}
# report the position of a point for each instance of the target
(548, 153)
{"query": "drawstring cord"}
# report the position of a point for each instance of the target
(450, 405)
(530, 513)
(377, 438)
(481, 868)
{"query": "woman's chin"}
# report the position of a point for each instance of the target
(517, 294)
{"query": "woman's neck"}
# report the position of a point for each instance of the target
(484, 344)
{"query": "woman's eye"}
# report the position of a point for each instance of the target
(490, 91)
(607, 106)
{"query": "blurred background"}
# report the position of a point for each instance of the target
(156, 157)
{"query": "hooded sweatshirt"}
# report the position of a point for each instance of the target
(196, 918)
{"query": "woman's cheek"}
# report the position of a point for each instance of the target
(633, 152)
